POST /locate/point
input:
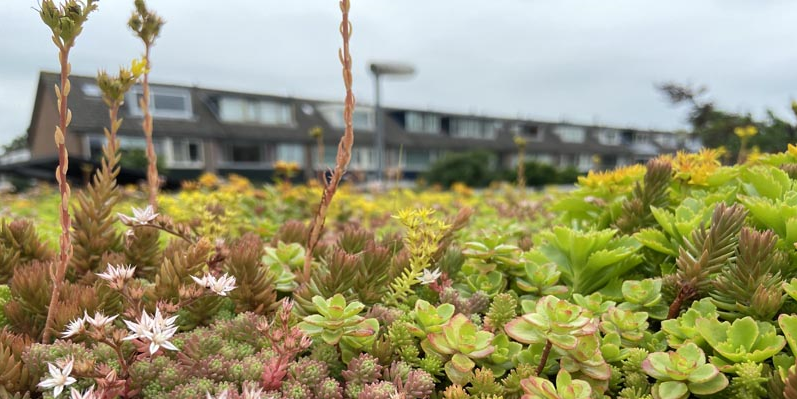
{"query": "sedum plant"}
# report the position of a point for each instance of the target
(683, 372)
(283, 261)
(589, 260)
(566, 388)
(645, 296)
(339, 323)
(464, 342)
(555, 321)
(744, 340)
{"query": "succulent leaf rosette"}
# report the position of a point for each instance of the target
(463, 341)
(744, 340)
(566, 388)
(340, 323)
(554, 320)
(683, 372)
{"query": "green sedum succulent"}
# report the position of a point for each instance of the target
(745, 340)
(430, 319)
(554, 320)
(340, 323)
(282, 261)
(566, 388)
(683, 329)
(683, 372)
(463, 341)
(644, 295)
(630, 326)
(540, 279)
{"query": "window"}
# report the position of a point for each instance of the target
(570, 134)
(467, 128)
(186, 153)
(239, 110)
(164, 102)
(363, 118)
(363, 158)
(528, 132)
(417, 122)
(239, 153)
(291, 153)
(546, 159)
(609, 137)
(667, 140)
(641, 138)
(94, 144)
(417, 159)
(92, 90)
(584, 162)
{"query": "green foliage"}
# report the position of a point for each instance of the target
(19, 244)
(464, 342)
(554, 320)
(421, 240)
(683, 372)
(255, 291)
(339, 323)
(745, 340)
(589, 260)
(566, 387)
(470, 168)
(636, 210)
(282, 262)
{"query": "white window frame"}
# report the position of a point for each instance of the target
(135, 110)
(571, 134)
(603, 137)
(169, 147)
(430, 123)
(303, 152)
(333, 114)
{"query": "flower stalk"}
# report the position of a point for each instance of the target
(344, 147)
(147, 25)
(66, 23)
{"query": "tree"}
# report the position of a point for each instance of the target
(716, 127)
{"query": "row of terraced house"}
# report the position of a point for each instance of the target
(204, 130)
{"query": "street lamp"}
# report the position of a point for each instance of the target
(380, 69)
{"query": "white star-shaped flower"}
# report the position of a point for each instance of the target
(117, 275)
(155, 329)
(89, 394)
(59, 378)
(99, 320)
(429, 277)
(222, 395)
(140, 216)
(221, 286)
(74, 327)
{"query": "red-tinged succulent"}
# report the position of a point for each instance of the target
(463, 341)
(566, 388)
(554, 320)
(683, 372)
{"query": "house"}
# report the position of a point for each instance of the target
(204, 130)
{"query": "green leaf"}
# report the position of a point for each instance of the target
(671, 390)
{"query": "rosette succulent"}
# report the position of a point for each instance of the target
(463, 341)
(630, 326)
(540, 279)
(566, 388)
(554, 320)
(282, 261)
(745, 340)
(644, 295)
(340, 323)
(683, 372)
(430, 319)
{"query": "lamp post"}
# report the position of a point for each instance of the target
(379, 69)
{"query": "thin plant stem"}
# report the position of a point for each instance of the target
(544, 358)
(153, 180)
(65, 240)
(344, 147)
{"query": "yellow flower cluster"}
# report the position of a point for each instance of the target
(696, 168)
(744, 132)
(622, 176)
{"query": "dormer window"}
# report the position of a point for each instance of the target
(419, 122)
(571, 134)
(164, 102)
(609, 137)
(473, 128)
(263, 112)
(362, 119)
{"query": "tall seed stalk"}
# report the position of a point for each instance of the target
(520, 142)
(147, 25)
(344, 147)
(66, 23)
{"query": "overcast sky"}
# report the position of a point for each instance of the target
(585, 61)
